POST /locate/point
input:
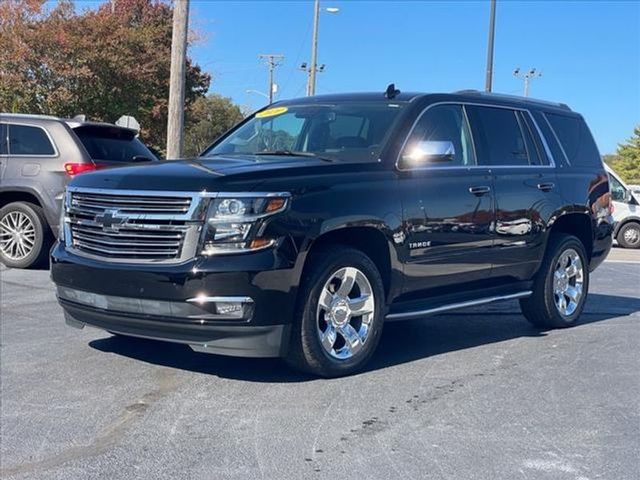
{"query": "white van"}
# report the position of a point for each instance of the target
(626, 212)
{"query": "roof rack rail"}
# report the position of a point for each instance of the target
(512, 97)
(30, 115)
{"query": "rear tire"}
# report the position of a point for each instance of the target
(629, 235)
(561, 285)
(339, 315)
(24, 235)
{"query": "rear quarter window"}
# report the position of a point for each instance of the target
(27, 140)
(576, 139)
(112, 145)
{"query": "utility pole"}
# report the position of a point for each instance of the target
(527, 77)
(492, 29)
(311, 84)
(272, 62)
(177, 78)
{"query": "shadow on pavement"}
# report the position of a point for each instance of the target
(401, 342)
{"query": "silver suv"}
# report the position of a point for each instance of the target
(38, 156)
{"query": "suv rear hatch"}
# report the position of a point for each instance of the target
(109, 146)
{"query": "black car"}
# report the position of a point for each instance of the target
(39, 154)
(304, 229)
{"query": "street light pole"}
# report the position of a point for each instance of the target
(175, 122)
(311, 85)
(492, 27)
(527, 77)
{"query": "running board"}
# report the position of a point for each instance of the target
(456, 306)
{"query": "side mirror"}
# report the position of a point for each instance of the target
(428, 151)
(627, 197)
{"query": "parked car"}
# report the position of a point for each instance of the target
(626, 212)
(304, 229)
(38, 156)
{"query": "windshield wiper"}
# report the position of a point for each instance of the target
(292, 153)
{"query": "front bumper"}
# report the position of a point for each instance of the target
(156, 301)
(237, 341)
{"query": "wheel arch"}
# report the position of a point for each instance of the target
(623, 222)
(20, 194)
(370, 240)
(578, 224)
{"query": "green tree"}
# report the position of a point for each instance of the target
(104, 62)
(207, 119)
(627, 160)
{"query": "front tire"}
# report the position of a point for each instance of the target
(629, 235)
(23, 235)
(339, 315)
(561, 285)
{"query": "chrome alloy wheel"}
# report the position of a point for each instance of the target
(632, 236)
(17, 235)
(568, 280)
(345, 311)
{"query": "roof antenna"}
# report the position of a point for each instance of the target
(391, 92)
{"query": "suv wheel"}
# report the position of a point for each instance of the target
(340, 314)
(561, 285)
(629, 235)
(22, 235)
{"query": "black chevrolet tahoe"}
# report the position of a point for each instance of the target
(305, 228)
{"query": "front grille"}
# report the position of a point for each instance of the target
(92, 203)
(132, 227)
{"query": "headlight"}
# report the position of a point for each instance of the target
(234, 222)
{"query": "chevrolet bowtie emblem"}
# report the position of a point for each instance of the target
(110, 221)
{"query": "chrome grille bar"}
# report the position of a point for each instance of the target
(134, 227)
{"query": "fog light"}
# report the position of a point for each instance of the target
(240, 308)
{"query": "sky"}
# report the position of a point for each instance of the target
(588, 52)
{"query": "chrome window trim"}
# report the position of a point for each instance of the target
(555, 135)
(545, 145)
(476, 166)
(55, 154)
(473, 141)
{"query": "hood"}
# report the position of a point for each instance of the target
(202, 173)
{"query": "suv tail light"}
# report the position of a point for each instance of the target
(73, 169)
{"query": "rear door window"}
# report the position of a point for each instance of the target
(113, 145)
(575, 138)
(3, 139)
(30, 141)
(498, 135)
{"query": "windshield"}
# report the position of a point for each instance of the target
(353, 132)
(113, 145)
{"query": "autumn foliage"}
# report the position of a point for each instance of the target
(105, 61)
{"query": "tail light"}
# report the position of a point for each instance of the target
(73, 169)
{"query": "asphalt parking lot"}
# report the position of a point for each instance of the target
(477, 394)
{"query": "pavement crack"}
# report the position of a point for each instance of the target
(106, 439)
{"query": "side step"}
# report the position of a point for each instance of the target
(406, 315)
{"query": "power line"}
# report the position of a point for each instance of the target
(272, 61)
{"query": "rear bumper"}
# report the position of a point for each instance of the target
(602, 244)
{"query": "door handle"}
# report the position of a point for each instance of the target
(546, 187)
(479, 190)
